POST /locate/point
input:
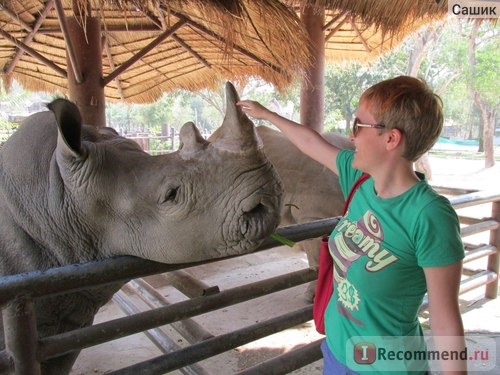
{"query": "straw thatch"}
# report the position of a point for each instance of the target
(219, 39)
(361, 30)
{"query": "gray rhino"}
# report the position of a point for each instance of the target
(70, 193)
(312, 192)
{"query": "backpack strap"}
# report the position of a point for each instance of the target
(357, 184)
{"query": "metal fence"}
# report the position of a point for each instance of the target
(25, 352)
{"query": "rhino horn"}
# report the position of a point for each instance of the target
(191, 140)
(237, 132)
(69, 123)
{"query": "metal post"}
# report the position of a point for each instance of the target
(6, 365)
(172, 138)
(21, 336)
(493, 260)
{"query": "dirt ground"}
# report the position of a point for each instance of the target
(479, 315)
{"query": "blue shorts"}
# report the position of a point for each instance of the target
(331, 366)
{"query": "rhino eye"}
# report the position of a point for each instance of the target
(171, 194)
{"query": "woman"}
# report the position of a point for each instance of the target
(398, 240)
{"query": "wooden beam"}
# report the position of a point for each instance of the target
(69, 44)
(333, 20)
(34, 54)
(360, 35)
(191, 51)
(109, 28)
(9, 68)
(160, 22)
(15, 17)
(221, 39)
(335, 29)
(112, 65)
(143, 52)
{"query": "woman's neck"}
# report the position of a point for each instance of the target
(394, 180)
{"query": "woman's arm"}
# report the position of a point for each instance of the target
(443, 285)
(306, 139)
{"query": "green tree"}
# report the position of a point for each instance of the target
(468, 54)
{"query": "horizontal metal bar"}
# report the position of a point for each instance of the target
(479, 252)
(76, 277)
(159, 338)
(452, 191)
(483, 226)
(187, 328)
(467, 220)
(477, 280)
(66, 342)
(187, 284)
(474, 281)
(287, 362)
(217, 345)
(475, 198)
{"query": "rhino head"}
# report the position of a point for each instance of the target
(206, 200)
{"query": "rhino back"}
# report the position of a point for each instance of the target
(33, 232)
(312, 191)
(23, 169)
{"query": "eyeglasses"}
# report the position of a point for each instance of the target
(356, 125)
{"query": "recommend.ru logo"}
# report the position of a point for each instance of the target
(416, 353)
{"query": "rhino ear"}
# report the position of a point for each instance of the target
(69, 123)
(237, 132)
(191, 140)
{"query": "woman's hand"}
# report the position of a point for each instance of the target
(254, 109)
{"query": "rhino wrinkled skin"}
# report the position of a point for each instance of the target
(70, 193)
(312, 191)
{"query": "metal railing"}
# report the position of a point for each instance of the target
(25, 352)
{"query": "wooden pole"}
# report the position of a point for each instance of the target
(494, 259)
(312, 93)
(86, 46)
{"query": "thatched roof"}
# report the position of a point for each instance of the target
(205, 41)
(362, 30)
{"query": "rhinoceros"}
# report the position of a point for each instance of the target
(70, 193)
(312, 191)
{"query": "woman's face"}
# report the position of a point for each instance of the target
(369, 143)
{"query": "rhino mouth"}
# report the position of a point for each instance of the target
(258, 220)
(254, 216)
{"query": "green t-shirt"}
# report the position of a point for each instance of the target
(379, 248)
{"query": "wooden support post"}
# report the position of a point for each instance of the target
(21, 336)
(312, 93)
(89, 94)
(494, 260)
